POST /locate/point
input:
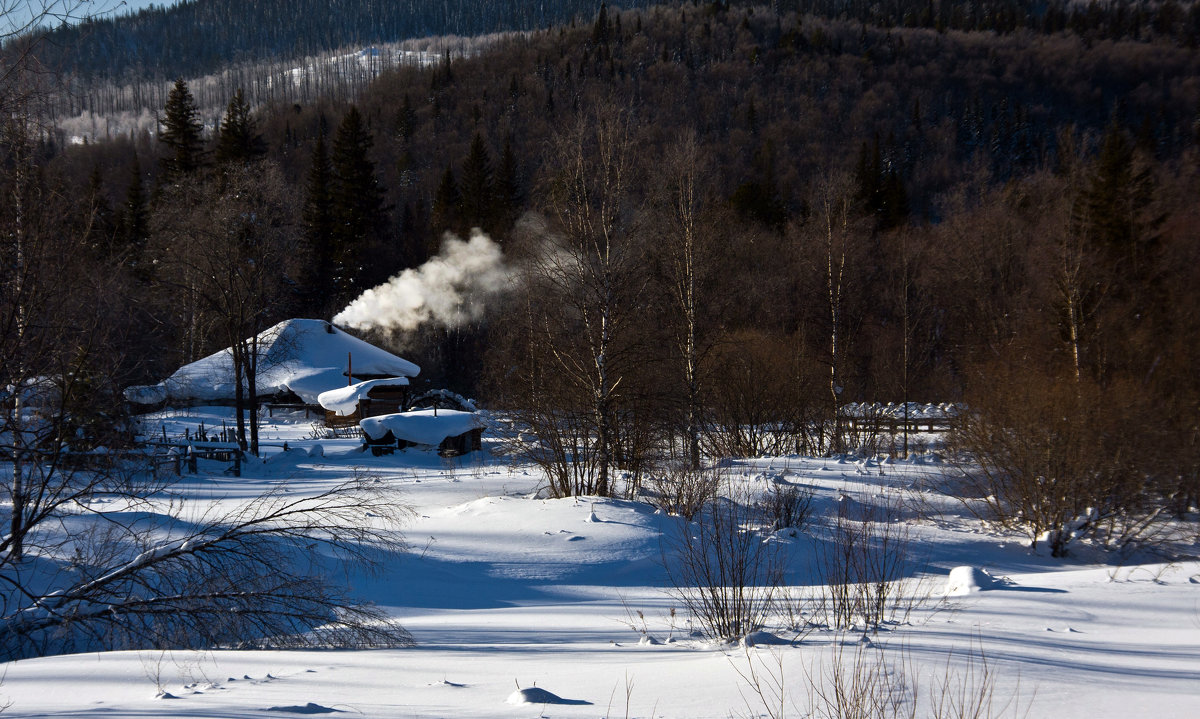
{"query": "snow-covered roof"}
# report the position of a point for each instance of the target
(424, 426)
(306, 357)
(916, 410)
(344, 400)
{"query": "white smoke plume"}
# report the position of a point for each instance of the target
(452, 288)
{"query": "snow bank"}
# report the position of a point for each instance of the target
(425, 426)
(344, 400)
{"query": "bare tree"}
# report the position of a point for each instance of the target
(835, 230)
(588, 271)
(171, 577)
(681, 175)
(229, 248)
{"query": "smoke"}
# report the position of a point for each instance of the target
(452, 288)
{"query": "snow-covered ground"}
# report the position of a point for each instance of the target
(523, 606)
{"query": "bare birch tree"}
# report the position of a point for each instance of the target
(835, 228)
(681, 174)
(590, 269)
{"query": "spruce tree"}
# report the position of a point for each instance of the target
(181, 133)
(133, 225)
(238, 139)
(406, 119)
(1116, 200)
(508, 195)
(99, 223)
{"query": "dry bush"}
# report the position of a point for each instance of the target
(721, 568)
(865, 567)
(682, 491)
(759, 407)
(786, 506)
(1060, 459)
(868, 681)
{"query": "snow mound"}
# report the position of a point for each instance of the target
(966, 580)
(762, 639)
(537, 695)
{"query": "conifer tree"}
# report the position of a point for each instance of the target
(98, 215)
(133, 221)
(356, 198)
(445, 204)
(508, 195)
(1116, 199)
(318, 219)
(477, 189)
(238, 139)
(406, 119)
(181, 133)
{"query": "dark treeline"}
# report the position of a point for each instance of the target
(732, 222)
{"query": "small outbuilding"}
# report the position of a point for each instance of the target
(453, 432)
(345, 406)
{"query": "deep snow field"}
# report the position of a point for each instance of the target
(567, 600)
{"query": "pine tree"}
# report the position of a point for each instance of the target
(356, 198)
(133, 225)
(98, 215)
(1115, 202)
(238, 139)
(181, 132)
(319, 221)
(600, 28)
(508, 195)
(406, 119)
(445, 204)
(477, 190)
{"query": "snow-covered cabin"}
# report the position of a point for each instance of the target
(298, 359)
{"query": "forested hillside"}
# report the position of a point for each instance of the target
(201, 36)
(721, 220)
